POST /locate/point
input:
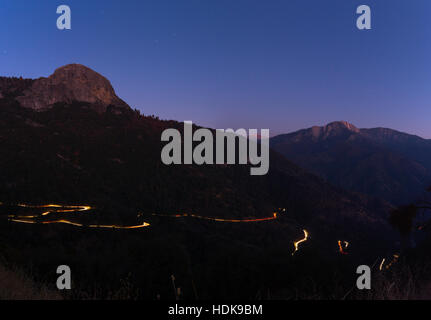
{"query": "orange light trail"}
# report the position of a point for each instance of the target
(273, 217)
(26, 217)
(23, 221)
(63, 209)
(145, 224)
(63, 221)
(340, 246)
(382, 264)
(394, 260)
(296, 244)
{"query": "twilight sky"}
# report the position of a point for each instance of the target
(277, 64)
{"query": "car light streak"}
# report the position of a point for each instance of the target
(56, 209)
(394, 260)
(145, 224)
(23, 221)
(53, 209)
(340, 246)
(297, 243)
(183, 215)
(382, 264)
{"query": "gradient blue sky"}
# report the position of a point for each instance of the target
(278, 64)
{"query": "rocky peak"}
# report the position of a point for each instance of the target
(341, 125)
(334, 129)
(73, 82)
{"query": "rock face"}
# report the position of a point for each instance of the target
(333, 129)
(70, 83)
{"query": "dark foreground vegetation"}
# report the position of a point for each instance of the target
(207, 260)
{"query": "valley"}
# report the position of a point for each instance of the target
(89, 190)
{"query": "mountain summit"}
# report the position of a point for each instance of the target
(73, 82)
(341, 125)
(381, 162)
(333, 129)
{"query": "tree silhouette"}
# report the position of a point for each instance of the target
(402, 217)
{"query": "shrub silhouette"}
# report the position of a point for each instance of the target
(402, 217)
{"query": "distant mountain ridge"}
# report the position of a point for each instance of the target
(380, 162)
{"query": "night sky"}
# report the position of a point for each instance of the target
(277, 64)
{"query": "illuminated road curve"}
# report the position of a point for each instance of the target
(297, 243)
(341, 248)
(394, 260)
(145, 224)
(53, 209)
(382, 264)
(273, 217)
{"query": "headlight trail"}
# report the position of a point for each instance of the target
(56, 208)
(340, 246)
(183, 215)
(63, 221)
(394, 260)
(53, 209)
(382, 264)
(296, 244)
(24, 221)
(145, 224)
